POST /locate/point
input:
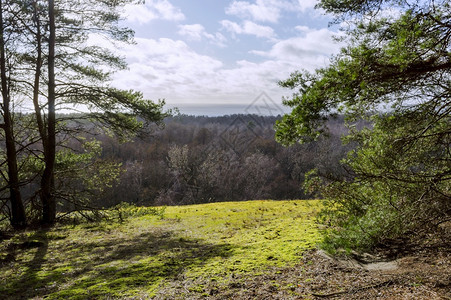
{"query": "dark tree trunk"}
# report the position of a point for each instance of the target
(37, 75)
(18, 219)
(47, 181)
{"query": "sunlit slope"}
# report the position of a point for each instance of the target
(143, 254)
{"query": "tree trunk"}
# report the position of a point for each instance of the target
(37, 75)
(18, 219)
(47, 181)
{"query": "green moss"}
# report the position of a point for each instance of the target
(138, 257)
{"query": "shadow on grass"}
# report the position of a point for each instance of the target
(30, 269)
(112, 267)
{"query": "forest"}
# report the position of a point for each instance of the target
(199, 159)
(185, 160)
(369, 132)
(107, 194)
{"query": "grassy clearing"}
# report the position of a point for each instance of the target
(143, 255)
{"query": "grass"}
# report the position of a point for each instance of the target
(138, 258)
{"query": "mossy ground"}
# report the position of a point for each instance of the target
(138, 258)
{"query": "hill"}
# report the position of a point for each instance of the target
(191, 250)
(230, 250)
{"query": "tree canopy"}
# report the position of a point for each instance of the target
(396, 72)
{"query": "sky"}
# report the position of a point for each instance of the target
(217, 57)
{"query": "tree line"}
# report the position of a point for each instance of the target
(209, 159)
(188, 160)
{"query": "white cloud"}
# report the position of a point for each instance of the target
(304, 29)
(309, 51)
(193, 32)
(171, 69)
(267, 10)
(250, 28)
(165, 68)
(303, 5)
(263, 11)
(152, 10)
(197, 32)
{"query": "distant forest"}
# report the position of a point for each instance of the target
(199, 159)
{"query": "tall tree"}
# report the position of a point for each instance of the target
(395, 71)
(83, 74)
(18, 219)
(47, 181)
(60, 68)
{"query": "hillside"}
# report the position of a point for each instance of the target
(199, 245)
(239, 250)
